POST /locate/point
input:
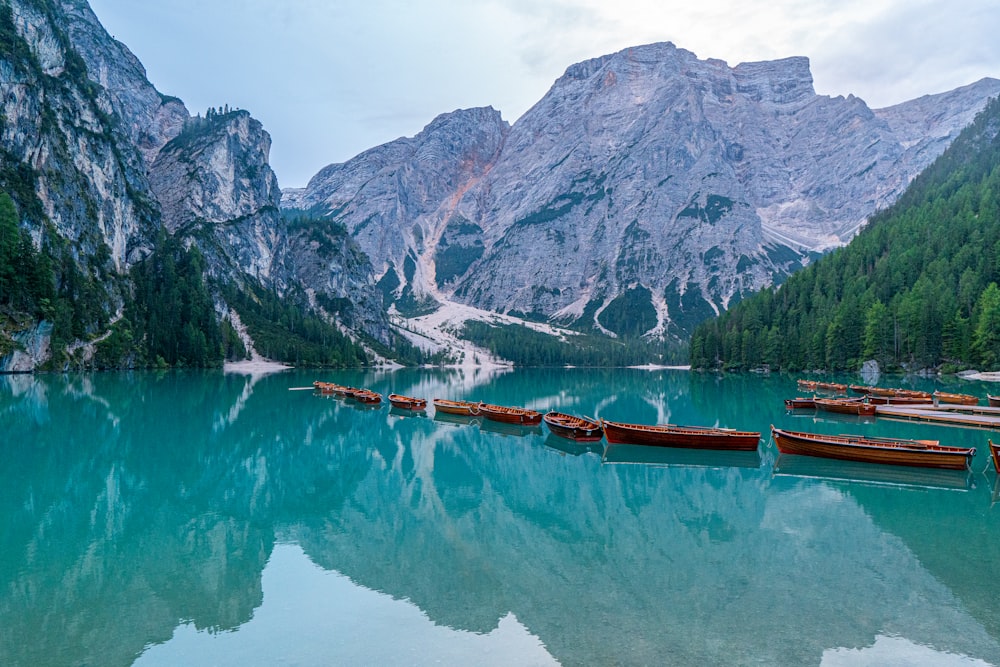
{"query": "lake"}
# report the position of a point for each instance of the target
(202, 518)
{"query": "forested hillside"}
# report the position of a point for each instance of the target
(917, 288)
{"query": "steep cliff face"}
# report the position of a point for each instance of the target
(647, 185)
(91, 151)
(67, 159)
(337, 275)
(215, 186)
(654, 180)
(397, 200)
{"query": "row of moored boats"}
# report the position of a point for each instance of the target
(894, 451)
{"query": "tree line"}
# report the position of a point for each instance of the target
(527, 347)
(917, 288)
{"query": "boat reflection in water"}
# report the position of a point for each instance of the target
(505, 428)
(572, 447)
(407, 412)
(458, 420)
(873, 474)
(681, 457)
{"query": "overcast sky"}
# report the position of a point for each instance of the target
(331, 78)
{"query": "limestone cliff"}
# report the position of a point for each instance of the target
(647, 182)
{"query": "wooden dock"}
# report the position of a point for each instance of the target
(971, 416)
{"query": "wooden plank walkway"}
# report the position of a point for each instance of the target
(955, 415)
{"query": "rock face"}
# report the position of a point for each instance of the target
(647, 186)
(67, 158)
(397, 200)
(213, 182)
(88, 145)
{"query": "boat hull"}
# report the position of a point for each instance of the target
(460, 408)
(955, 399)
(618, 433)
(499, 413)
(866, 450)
(407, 402)
(846, 407)
(367, 397)
(899, 400)
(573, 428)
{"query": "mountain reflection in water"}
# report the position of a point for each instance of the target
(145, 515)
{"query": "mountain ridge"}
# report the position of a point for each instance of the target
(646, 191)
(653, 178)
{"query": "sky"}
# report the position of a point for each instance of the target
(331, 78)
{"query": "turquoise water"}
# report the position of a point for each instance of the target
(211, 519)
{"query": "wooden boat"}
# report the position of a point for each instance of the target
(814, 385)
(407, 402)
(461, 408)
(500, 413)
(342, 390)
(893, 451)
(669, 435)
(328, 388)
(899, 393)
(574, 428)
(864, 390)
(845, 406)
(899, 400)
(994, 401)
(366, 396)
(956, 399)
(995, 456)
(800, 403)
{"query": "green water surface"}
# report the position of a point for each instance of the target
(220, 519)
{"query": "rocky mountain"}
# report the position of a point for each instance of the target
(647, 190)
(647, 186)
(394, 198)
(99, 164)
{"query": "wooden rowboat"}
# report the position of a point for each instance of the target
(407, 402)
(500, 413)
(864, 390)
(899, 393)
(669, 435)
(800, 403)
(461, 408)
(893, 451)
(574, 428)
(994, 401)
(814, 385)
(995, 455)
(328, 388)
(899, 400)
(956, 399)
(366, 396)
(845, 406)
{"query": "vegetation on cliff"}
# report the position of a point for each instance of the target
(916, 288)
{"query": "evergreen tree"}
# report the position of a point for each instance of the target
(912, 288)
